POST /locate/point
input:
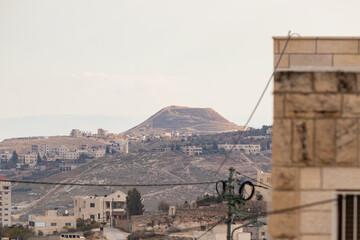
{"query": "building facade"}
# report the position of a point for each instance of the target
(51, 222)
(102, 209)
(246, 148)
(192, 150)
(316, 139)
(29, 159)
(264, 178)
(5, 202)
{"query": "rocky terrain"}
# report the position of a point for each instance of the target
(24, 145)
(184, 119)
(133, 168)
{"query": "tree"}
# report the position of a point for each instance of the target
(107, 150)
(163, 206)
(82, 157)
(19, 232)
(134, 202)
(177, 147)
(13, 160)
(39, 159)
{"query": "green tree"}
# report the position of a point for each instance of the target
(134, 202)
(13, 160)
(39, 159)
(19, 232)
(177, 147)
(163, 206)
(107, 150)
(82, 157)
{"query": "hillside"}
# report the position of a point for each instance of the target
(167, 167)
(24, 145)
(184, 119)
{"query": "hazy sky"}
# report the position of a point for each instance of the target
(132, 58)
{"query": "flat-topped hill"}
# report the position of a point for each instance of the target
(185, 119)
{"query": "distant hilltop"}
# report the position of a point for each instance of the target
(184, 120)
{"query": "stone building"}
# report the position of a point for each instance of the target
(51, 222)
(101, 209)
(264, 178)
(246, 148)
(316, 139)
(5, 202)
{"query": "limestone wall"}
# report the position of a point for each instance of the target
(318, 51)
(315, 134)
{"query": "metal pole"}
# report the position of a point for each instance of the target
(230, 197)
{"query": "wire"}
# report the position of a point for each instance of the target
(217, 223)
(284, 210)
(267, 186)
(109, 185)
(255, 108)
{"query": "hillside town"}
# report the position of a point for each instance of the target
(111, 209)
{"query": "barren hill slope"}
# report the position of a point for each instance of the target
(24, 145)
(184, 119)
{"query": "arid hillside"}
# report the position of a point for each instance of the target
(184, 119)
(135, 168)
(24, 145)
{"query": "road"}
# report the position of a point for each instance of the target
(113, 234)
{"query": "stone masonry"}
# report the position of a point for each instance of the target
(315, 133)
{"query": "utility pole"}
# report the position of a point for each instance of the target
(230, 200)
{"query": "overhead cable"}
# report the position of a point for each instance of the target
(110, 185)
(255, 108)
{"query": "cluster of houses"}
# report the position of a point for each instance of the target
(49, 154)
(104, 209)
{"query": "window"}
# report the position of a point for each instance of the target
(92, 205)
(5, 187)
(98, 215)
(348, 216)
(53, 224)
(68, 224)
(92, 217)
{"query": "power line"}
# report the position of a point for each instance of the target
(267, 186)
(255, 108)
(280, 211)
(110, 185)
(284, 210)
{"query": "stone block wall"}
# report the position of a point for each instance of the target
(318, 51)
(315, 134)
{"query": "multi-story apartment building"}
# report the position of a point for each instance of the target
(72, 155)
(247, 148)
(120, 146)
(5, 202)
(41, 149)
(5, 156)
(51, 222)
(192, 150)
(101, 209)
(60, 150)
(96, 152)
(28, 159)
